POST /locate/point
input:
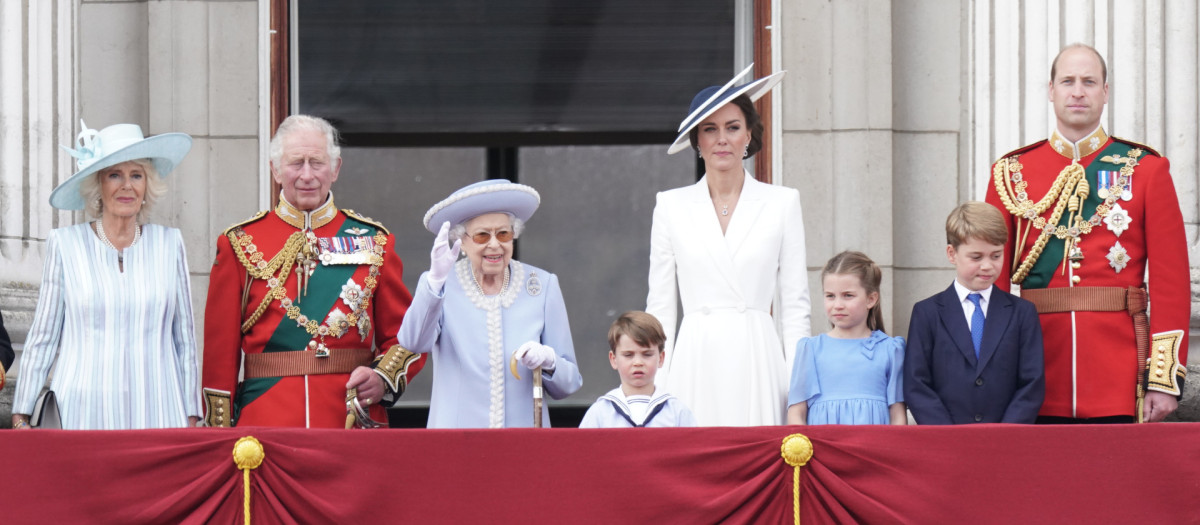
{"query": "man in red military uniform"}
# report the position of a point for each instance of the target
(1092, 220)
(299, 297)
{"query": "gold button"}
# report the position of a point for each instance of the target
(1075, 279)
(1075, 265)
(220, 410)
(1158, 373)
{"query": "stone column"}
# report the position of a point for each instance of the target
(931, 139)
(37, 100)
(837, 130)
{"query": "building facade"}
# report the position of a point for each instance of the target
(890, 116)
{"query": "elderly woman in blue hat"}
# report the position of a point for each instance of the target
(726, 246)
(480, 314)
(115, 305)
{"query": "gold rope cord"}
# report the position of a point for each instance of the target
(254, 264)
(1071, 187)
(265, 271)
(247, 455)
(796, 450)
(1068, 180)
(1003, 186)
(291, 248)
(276, 293)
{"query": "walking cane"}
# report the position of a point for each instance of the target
(537, 390)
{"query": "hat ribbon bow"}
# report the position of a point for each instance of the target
(90, 147)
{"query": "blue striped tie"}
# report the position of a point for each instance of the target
(976, 322)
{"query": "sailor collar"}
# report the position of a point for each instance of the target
(311, 220)
(1078, 150)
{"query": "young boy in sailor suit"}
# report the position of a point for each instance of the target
(636, 352)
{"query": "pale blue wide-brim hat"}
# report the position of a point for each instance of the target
(712, 98)
(480, 198)
(111, 146)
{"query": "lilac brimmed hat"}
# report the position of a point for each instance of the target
(489, 196)
(712, 98)
(111, 146)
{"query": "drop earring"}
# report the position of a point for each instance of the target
(746, 151)
(699, 155)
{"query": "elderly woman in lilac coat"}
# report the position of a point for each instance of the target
(478, 314)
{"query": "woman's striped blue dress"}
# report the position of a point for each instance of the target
(124, 341)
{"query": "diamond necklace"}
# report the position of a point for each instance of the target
(137, 234)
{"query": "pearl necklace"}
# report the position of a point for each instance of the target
(503, 284)
(137, 234)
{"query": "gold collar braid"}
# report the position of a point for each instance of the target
(306, 220)
(1082, 148)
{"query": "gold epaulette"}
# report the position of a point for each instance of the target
(354, 215)
(1023, 149)
(218, 407)
(1138, 145)
(393, 368)
(255, 217)
(1164, 372)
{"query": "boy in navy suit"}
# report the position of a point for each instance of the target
(974, 351)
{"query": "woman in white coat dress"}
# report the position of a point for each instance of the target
(731, 243)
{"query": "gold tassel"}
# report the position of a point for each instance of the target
(796, 451)
(1139, 405)
(247, 455)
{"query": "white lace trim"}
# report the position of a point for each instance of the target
(493, 304)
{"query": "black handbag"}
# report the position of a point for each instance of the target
(45, 412)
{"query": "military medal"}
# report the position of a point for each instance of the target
(1076, 253)
(351, 294)
(1103, 180)
(346, 250)
(1127, 189)
(1118, 220)
(320, 348)
(1118, 257)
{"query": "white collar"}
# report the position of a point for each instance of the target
(963, 292)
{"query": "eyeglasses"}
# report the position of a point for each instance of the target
(484, 237)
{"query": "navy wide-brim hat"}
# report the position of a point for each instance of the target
(712, 98)
(480, 198)
(111, 146)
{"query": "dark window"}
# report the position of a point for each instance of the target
(408, 69)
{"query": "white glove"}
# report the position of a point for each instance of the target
(534, 354)
(442, 258)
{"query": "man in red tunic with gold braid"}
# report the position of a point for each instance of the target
(1092, 220)
(299, 297)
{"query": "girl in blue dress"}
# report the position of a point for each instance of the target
(851, 374)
